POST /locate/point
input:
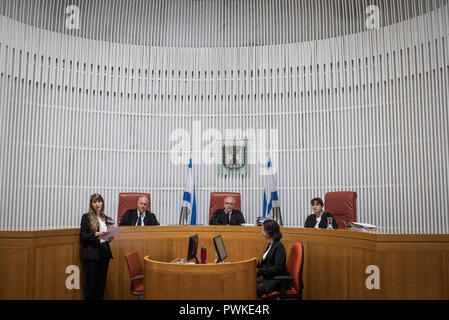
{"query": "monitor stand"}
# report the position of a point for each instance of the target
(196, 260)
(219, 260)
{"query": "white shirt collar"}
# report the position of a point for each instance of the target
(102, 227)
(266, 252)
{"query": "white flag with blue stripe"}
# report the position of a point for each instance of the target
(188, 198)
(270, 193)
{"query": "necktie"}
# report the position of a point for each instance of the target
(139, 222)
(229, 217)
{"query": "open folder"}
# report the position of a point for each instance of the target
(112, 232)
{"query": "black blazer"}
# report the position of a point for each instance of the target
(311, 221)
(90, 244)
(221, 218)
(130, 218)
(273, 265)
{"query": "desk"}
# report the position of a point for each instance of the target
(211, 281)
(411, 266)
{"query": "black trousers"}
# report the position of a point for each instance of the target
(96, 274)
(266, 285)
(260, 287)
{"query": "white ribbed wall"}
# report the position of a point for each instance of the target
(366, 112)
(212, 23)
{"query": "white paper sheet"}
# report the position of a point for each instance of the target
(112, 232)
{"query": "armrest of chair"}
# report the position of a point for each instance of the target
(283, 278)
(285, 283)
(137, 277)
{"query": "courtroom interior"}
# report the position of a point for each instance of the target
(224, 150)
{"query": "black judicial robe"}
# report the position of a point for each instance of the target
(130, 218)
(311, 221)
(221, 218)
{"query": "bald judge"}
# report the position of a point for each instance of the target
(227, 215)
(139, 216)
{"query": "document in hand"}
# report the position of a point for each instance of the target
(112, 232)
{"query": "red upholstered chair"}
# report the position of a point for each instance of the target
(135, 268)
(127, 201)
(295, 264)
(342, 205)
(217, 200)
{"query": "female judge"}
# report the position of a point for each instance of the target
(320, 219)
(273, 260)
(95, 252)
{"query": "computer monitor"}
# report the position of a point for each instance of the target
(193, 247)
(220, 249)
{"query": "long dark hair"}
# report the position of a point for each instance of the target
(272, 228)
(94, 224)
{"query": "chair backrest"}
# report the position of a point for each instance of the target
(295, 264)
(217, 200)
(342, 205)
(134, 263)
(128, 201)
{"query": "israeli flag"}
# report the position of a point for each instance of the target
(188, 198)
(270, 193)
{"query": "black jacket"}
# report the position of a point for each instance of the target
(90, 244)
(311, 221)
(130, 218)
(221, 218)
(273, 265)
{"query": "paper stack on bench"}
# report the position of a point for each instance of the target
(359, 225)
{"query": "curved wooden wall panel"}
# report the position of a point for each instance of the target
(226, 281)
(335, 265)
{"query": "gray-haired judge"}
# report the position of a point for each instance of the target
(140, 216)
(227, 215)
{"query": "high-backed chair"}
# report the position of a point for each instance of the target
(135, 268)
(217, 200)
(342, 205)
(291, 287)
(127, 201)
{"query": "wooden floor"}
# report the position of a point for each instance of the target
(33, 264)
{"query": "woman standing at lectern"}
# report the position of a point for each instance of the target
(273, 260)
(95, 252)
